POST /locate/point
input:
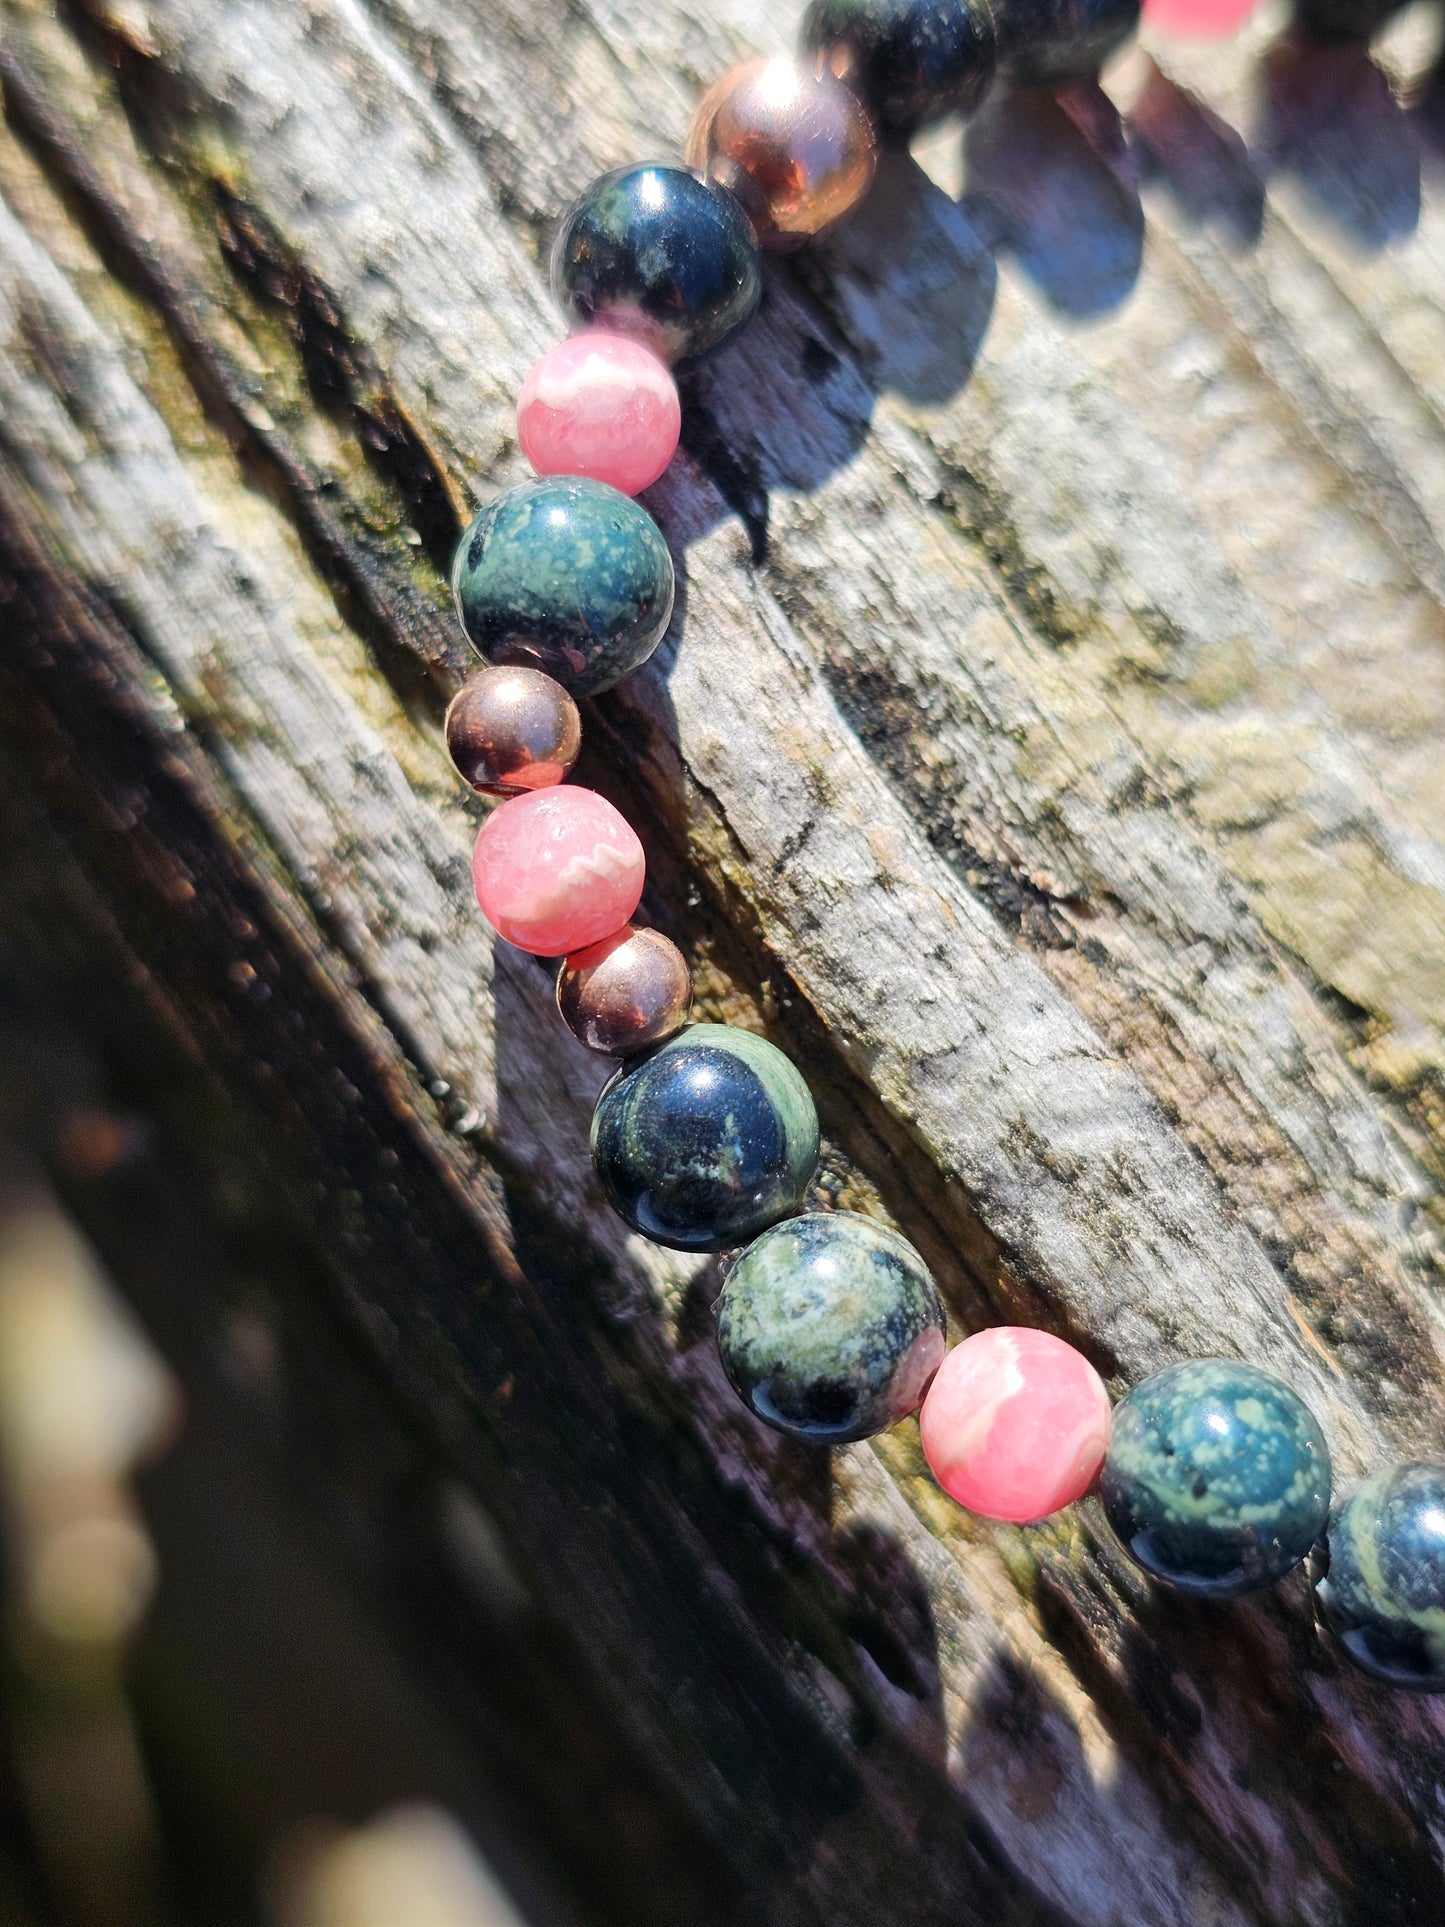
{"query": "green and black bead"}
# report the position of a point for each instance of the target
(910, 61)
(567, 576)
(1380, 1579)
(1217, 1477)
(830, 1327)
(1044, 43)
(656, 252)
(706, 1140)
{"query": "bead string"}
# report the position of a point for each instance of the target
(1213, 1474)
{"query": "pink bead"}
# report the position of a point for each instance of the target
(557, 870)
(1201, 19)
(1015, 1424)
(600, 405)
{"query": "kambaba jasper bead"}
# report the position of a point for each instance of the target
(1380, 1585)
(557, 870)
(706, 1140)
(1016, 1424)
(798, 149)
(625, 993)
(1044, 43)
(1343, 19)
(830, 1327)
(1217, 1477)
(603, 406)
(512, 729)
(909, 61)
(654, 252)
(567, 576)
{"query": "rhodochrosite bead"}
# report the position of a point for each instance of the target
(705, 1141)
(512, 729)
(1200, 19)
(600, 405)
(631, 990)
(1016, 1423)
(797, 148)
(655, 252)
(557, 870)
(1382, 1592)
(1217, 1477)
(830, 1327)
(568, 576)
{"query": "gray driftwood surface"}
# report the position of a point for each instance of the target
(1047, 751)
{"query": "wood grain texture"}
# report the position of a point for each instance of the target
(1046, 750)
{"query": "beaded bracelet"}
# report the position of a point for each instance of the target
(1213, 1474)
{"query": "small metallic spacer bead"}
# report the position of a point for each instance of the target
(512, 729)
(629, 991)
(796, 147)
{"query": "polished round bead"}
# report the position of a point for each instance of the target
(600, 405)
(1199, 19)
(910, 61)
(654, 252)
(557, 870)
(1015, 1424)
(798, 149)
(1343, 19)
(1043, 43)
(512, 729)
(567, 576)
(625, 993)
(1217, 1477)
(1380, 1586)
(830, 1327)
(706, 1140)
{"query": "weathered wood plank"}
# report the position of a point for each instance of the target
(1045, 748)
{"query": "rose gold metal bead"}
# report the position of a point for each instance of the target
(512, 729)
(797, 148)
(629, 991)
